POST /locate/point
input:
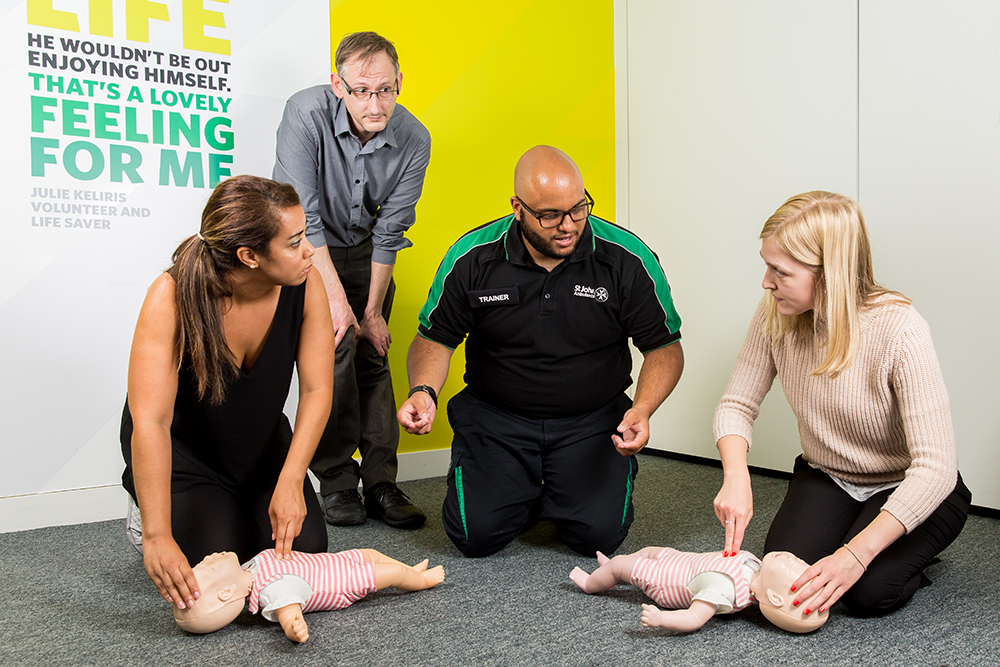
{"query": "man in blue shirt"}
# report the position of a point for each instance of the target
(357, 161)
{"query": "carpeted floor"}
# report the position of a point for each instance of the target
(78, 595)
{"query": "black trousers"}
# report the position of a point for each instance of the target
(363, 416)
(508, 471)
(208, 517)
(208, 514)
(817, 517)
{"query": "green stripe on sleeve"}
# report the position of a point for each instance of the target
(633, 245)
(477, 237)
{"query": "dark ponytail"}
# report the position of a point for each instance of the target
(243, 211)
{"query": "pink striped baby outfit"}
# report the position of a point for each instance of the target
(338, 580)
(665, 578)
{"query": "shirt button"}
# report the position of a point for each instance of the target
(357, 181)
(548, 296)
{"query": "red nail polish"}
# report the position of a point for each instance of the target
(807, 612)
(822, 610)
(793, 589)
(725, 554)
(795, 603)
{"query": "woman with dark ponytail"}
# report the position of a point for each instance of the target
(211, 461)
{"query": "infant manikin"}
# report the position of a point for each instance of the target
(695, 587)
(285, 589)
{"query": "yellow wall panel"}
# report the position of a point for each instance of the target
(489, 81)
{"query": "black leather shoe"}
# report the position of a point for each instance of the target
(386, 502)
(344, 508)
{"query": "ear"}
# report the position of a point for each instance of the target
(399, 82)
(247, 256)
(338, 85)
(226, 594)
(516, 205)
(775, 599)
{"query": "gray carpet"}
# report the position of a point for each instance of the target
(78, 595)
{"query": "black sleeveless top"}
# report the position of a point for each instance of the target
(246, 438)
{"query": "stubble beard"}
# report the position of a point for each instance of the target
(546, 248)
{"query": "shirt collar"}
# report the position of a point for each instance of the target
(341, 124)
(517, 253)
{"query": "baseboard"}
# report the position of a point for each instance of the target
(62, 508)
(104, 503)
(421, 465)
(715, 463)
(976, 510)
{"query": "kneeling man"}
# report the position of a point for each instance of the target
(549, 297)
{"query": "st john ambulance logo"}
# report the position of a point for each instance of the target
(599, 294)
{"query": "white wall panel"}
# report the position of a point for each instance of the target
(732, 107)
(929, 185)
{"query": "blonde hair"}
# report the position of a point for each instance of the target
(827, 233)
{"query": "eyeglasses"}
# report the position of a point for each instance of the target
(550, 219)
(363, 95)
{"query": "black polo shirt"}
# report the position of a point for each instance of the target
(549, 344)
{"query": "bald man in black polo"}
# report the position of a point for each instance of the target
(549, 297)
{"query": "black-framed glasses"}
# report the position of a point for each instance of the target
(363, 95)
(550, 219)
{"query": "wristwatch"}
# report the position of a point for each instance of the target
(430, 392)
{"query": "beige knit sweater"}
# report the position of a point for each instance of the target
(885, 418)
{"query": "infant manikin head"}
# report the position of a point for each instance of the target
(224, 588)
(772, 589)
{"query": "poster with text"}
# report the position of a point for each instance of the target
(119, 116)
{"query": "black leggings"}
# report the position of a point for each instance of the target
(208, 516)
(817, 517)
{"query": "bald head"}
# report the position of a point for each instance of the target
(545, 171)
(547, 183)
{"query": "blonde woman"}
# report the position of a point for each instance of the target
(876, 493)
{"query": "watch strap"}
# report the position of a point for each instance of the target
(430, 392)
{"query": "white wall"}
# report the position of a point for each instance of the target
(727, 108)
(732, 107)
(929, 184)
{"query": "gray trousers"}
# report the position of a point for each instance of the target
(363, 416)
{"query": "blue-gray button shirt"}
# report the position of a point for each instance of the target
(348, 191)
